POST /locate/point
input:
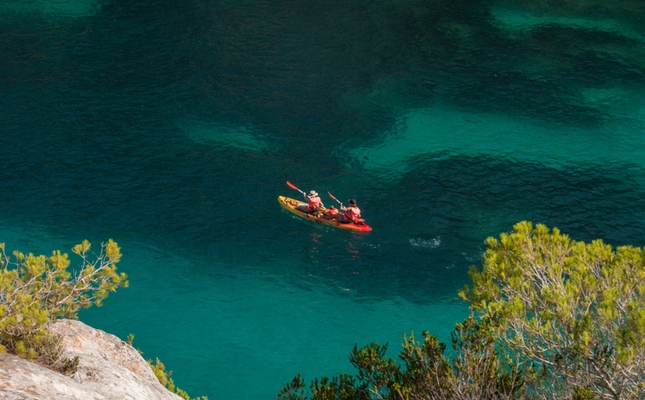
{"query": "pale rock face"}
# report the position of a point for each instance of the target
(109, 369)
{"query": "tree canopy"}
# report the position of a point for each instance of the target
(574, 310)
(551, 317)
(35, 290)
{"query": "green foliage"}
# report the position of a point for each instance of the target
(294, 390)
(164, 378)
(159, 369)
(425, 374)
(69, 366)
(575, 310)
(36, 290)
(551, 318)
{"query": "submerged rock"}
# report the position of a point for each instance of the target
(108, 369)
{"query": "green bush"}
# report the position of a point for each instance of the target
(37, 290)
(164, 378)
(552, 318)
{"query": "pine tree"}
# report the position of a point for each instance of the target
(552, 318)
(37, 290)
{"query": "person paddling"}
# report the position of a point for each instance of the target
(313, 202)
(352, 213)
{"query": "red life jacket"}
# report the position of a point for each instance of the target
(352, 213)
(332, 211)
(314, 203)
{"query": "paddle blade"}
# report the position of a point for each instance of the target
(292, 186)
(332, 196)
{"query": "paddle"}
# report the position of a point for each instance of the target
(332, 196)
(292, 186)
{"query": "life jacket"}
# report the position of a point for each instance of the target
(352, 213)
(314, 203)
(332, 211)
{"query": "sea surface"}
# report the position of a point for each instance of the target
(172, 126)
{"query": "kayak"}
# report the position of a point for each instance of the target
(290, 205)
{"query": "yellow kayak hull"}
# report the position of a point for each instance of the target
(291, 204)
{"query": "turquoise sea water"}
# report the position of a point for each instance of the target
(172, 126)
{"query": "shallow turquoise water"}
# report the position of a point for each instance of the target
(172, 126)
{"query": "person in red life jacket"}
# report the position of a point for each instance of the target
(331, 213)
(313, 203)
(352, 213)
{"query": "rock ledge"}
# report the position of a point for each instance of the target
(109, 369)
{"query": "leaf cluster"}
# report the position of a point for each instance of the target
(550, 318)
(164, 378)
(426, 373)
(36, 290)
(575, 310)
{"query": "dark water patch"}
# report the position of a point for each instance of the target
(623, 10)
(539, 74)
(282, 67)
(587, 54)
(482, 197)
(522, 95)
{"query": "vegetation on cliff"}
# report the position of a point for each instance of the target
(35, 290)
(551, 318)
(164, 378)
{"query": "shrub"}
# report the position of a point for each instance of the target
(37, 290)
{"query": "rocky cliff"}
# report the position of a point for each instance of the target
(109, 369)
